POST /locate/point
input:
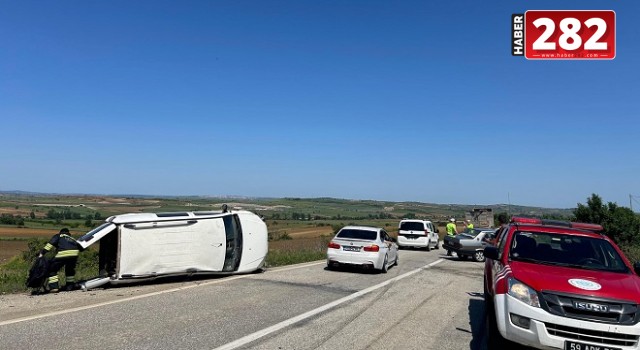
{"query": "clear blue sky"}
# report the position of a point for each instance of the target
(388, 100)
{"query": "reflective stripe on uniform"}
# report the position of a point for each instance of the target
(71, 279)
(48, 247)
(67, 253)
(67, 236)
(53, 279)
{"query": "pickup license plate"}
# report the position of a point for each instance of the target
(571, 345)
(351, 249)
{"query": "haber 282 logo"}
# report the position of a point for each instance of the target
(549, 35)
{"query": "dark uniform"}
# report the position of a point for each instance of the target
(67, 250)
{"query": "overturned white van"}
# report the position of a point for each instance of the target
(143, 246)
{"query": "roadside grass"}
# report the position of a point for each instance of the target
(295, 251)
(13, 275)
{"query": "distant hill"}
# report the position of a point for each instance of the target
(279, 208)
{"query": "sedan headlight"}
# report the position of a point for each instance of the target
(523, 292)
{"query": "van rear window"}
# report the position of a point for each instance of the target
(412, 226)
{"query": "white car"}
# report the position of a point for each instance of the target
(142, 246)
(418, 234)
(364, 246)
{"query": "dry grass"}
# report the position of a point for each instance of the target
(9, 249)
(23, 232)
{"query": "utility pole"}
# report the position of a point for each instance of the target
(632, 199)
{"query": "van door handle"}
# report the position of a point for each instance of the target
(217, 244)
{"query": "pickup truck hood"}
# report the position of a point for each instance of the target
(610, 285)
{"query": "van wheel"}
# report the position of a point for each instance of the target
(437, 245)
(428, 246)
(478, 256)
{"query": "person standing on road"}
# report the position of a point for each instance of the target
(451, 231)
(469, 225)
(67, 250)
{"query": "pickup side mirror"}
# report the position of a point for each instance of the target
(636, 268)
(492, 253)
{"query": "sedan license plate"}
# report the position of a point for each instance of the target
(571, 345)
(351, 249)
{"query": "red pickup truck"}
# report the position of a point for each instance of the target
(560, 285)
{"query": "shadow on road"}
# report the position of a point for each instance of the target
(477, 322)
(478, 327)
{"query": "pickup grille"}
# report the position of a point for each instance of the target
(596, 337)
(591, 309)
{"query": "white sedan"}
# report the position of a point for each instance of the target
(369, 247)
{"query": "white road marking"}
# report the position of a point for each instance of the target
(81, 308)
(261, 333)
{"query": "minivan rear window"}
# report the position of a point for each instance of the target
(412, 226)
(358, 234)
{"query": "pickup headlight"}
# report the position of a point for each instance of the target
(523, 292)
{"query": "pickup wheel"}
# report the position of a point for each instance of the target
(478, 256)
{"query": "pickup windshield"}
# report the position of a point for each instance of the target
(566, 250)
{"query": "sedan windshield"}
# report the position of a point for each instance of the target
(471, 232)
(358, 234)
(566, 250)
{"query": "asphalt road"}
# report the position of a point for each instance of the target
(429, 301)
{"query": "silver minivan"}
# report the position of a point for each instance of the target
(418, 233)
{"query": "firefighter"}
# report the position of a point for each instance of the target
(452, 230)
(67, 250)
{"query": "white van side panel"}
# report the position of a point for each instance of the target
(255, 236)
(167, 247)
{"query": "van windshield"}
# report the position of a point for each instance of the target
(411, 226)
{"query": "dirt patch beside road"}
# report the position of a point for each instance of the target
(23, 232)
(10, 248)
